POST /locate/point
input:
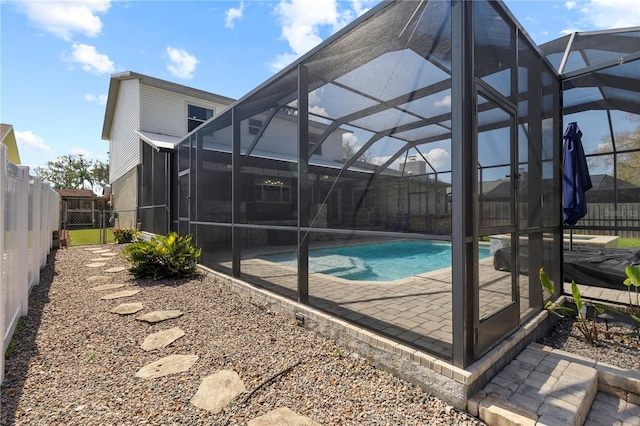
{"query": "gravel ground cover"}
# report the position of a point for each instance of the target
(73, 362)
(612, 349)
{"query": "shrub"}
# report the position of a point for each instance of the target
(580, 321)
(633, 280)
(124, 235)
(170, 256)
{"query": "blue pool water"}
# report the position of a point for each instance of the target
(377, 262)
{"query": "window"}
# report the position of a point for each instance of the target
(313, 139)
(196, 116)
(272, 191)
(254, 126)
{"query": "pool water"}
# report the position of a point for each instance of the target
(377, 262)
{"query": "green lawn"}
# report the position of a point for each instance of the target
(629, 242)
(83, 237)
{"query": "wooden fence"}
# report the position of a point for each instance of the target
(599, 215)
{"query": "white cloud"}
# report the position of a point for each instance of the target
(604, 14)
(282, 60)
(438, 157)
(66, 18)
(181, 64)
(359, 6)
(570, 30)
(444, 102)
(233, 14)
(302, 22)
(100, 99)
(349, 138)
(90, 59)
(570, 5)
(30, 141)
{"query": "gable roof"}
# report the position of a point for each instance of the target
(8, 137)
(114, 89)
(76, 193)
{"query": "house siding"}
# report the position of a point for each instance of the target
(281, 137)
(124, 144)
(165, 112)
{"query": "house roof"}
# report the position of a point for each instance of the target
(114, 88)
(76, 193)
(8, 137)
(602, 190)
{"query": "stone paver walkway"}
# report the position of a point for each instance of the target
(127, 308)
(161, 339)
(215, 391)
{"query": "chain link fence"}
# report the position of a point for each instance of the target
(88, 226)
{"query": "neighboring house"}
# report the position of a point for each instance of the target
(76, 208)
(8, 138)
(145, 117)
(81, 208)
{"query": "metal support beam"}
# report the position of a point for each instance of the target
(236, 191)
(464, 247)
(303, 184)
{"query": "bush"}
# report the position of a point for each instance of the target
(123, 235)
(172, 256)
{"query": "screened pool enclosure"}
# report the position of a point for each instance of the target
(421, 121)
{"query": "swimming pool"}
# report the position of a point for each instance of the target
(387, 261)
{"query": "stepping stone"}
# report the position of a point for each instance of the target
(124, 293)
(168, 365)
(116, 269)
(157, 316)
(108, 254)
(217, 390)
(94, 279)
(92, 249)
(161, 339)
(282, 416)
(97, 259)
(102, 251)
(107, 287)
(95, 265)
(128, 309)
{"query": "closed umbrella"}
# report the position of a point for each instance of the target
(576, 179)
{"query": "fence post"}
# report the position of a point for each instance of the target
(36, 232)
(104, 227)
(3, 284)
(22, 232)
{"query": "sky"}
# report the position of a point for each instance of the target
(56, 57)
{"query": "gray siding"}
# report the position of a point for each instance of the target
(124, 145)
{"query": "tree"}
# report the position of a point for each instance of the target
(350, 148)
(628, 147)
(100, 173)
(74, 172)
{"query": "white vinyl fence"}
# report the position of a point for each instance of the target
(29, 213)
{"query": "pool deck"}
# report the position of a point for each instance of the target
(415, 310)
(406, 325)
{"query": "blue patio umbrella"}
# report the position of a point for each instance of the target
(576, 179)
